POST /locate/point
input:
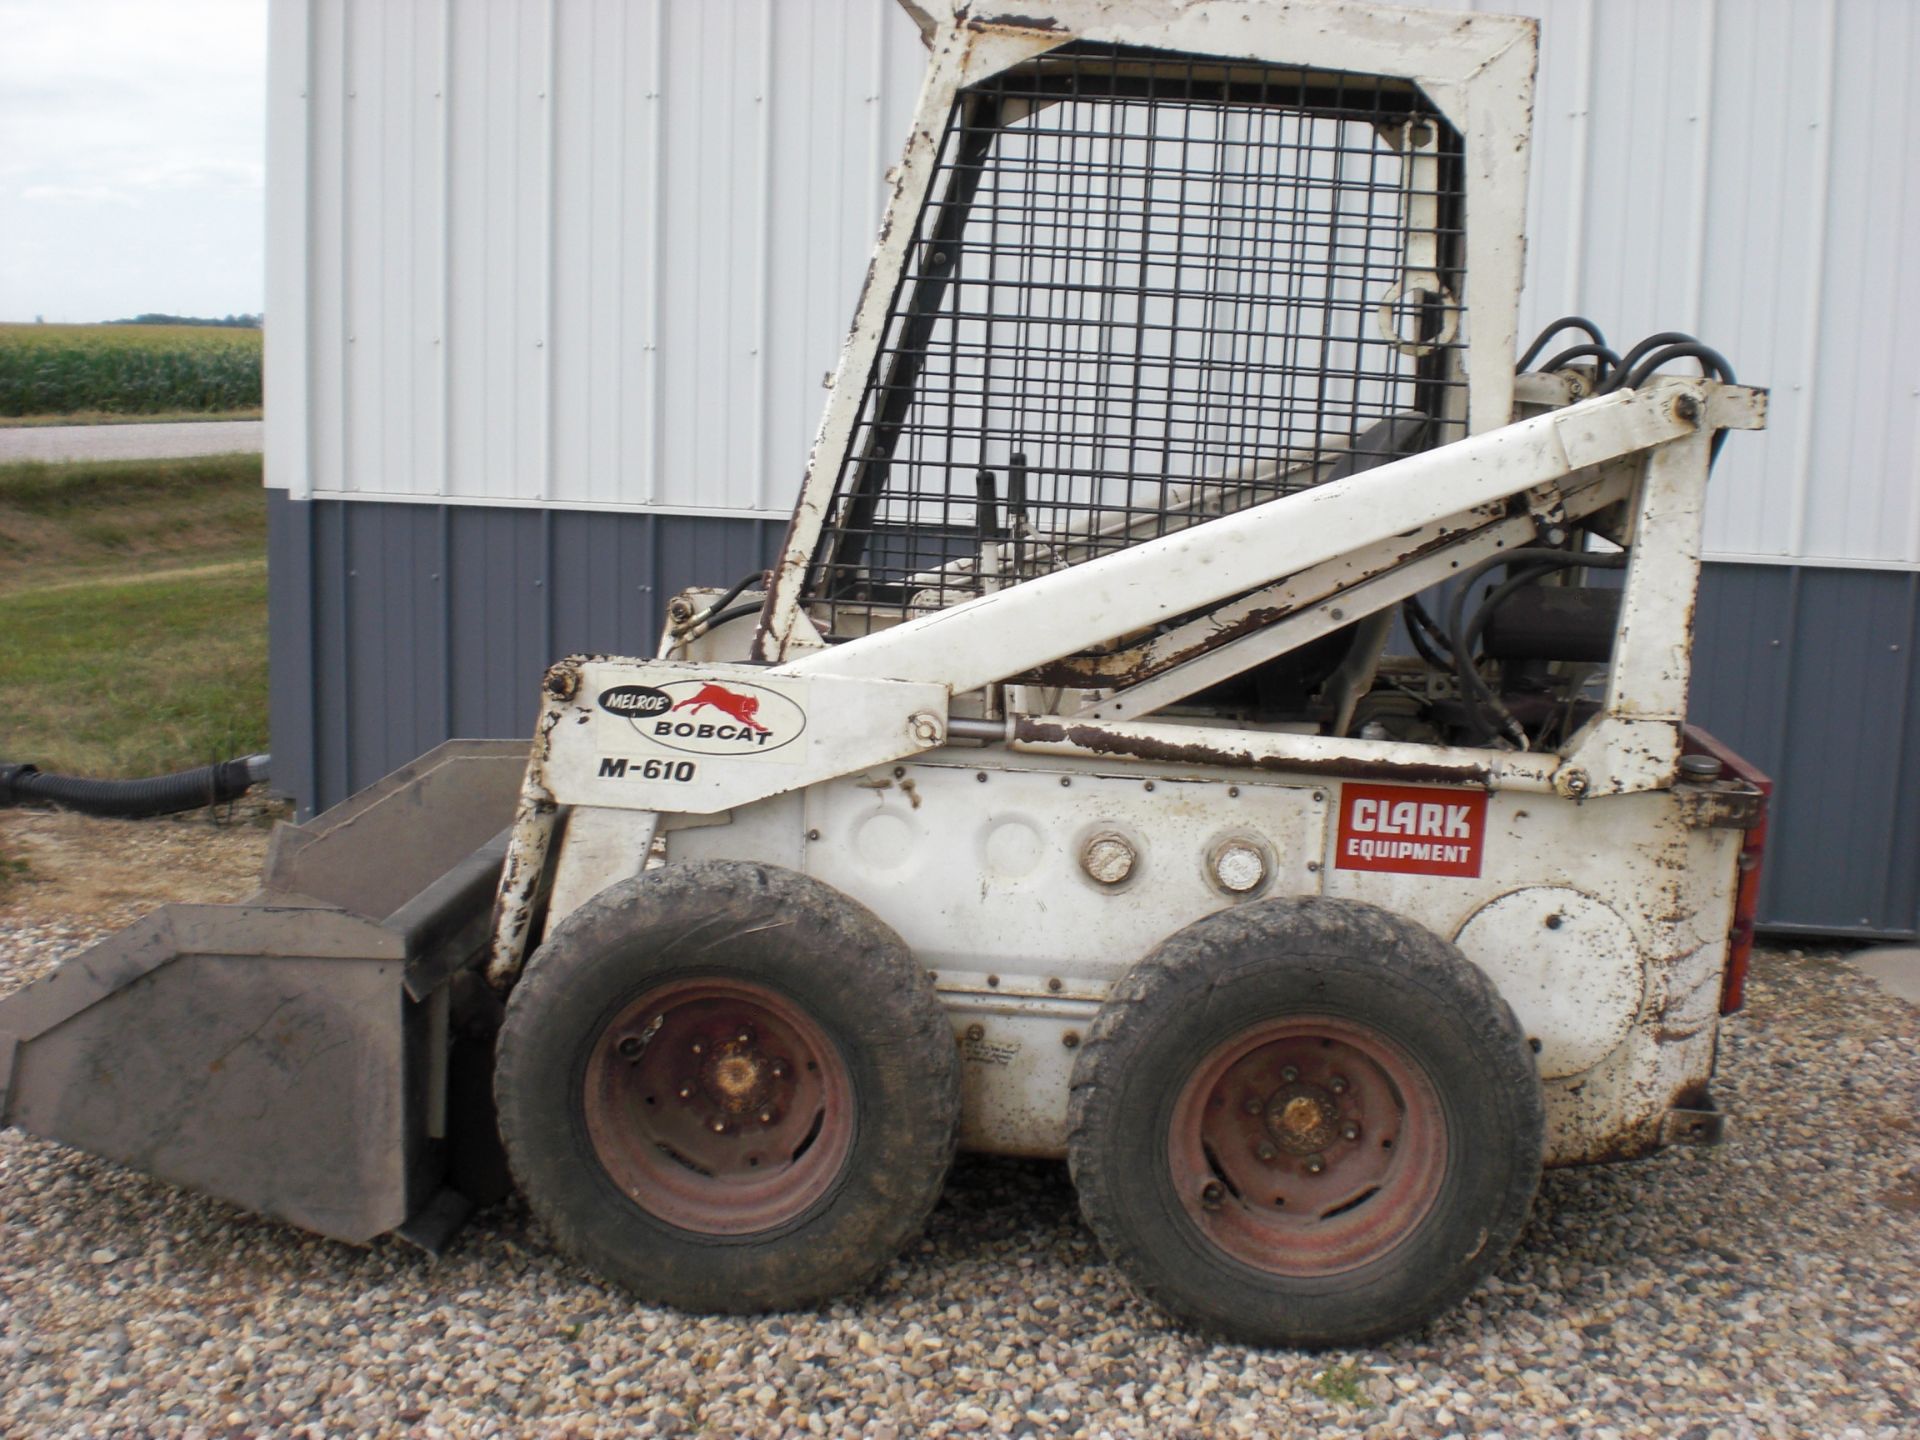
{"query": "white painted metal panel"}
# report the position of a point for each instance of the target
(598, 253)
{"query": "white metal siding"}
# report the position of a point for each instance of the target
(599, 253)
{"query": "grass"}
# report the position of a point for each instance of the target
(12, 871)
(107, 417)
(1338, 1384)
(66, 521)
(145, 370)
(132, 614)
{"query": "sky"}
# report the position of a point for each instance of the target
(132, 157)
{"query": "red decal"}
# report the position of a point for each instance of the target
(1411, 831)
(727, 702)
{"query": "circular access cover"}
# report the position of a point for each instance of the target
(1568, 965)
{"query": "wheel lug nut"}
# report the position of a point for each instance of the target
(766, 1117)
(1290, 1074)
(1315, 1164)
(719, 1127)
(686, 1091)
(1350, 1131)
(1264, 1150)
(1338, 1085)
(745, 1037)
(1212, 1193)
(779, 1070)
(1253, 1106)
(698, 1048)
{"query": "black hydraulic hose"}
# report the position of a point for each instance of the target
(713, 620)
(1633, 357)
(1426, 635)
(708, 616)
(1538, 560)
(1565, 322)
(1609, 362)
(1711, 360)
(1473, 686)
(133, 799)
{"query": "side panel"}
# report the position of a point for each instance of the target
(1604, 924)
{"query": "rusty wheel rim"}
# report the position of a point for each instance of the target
(1308, 1145)
(718, 1106)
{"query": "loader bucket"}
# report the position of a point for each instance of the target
(292, 1053)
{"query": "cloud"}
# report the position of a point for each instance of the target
(77, 194)
(116, 105)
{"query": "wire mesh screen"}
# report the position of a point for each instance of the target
(1145, 291)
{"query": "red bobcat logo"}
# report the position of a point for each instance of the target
(740, 707)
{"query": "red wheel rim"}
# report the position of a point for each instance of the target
(718, 1106)
(1308, 1145)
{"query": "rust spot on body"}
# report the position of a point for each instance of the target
(1099, 741)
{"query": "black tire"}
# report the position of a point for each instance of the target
(1257, 982)
(815, 957)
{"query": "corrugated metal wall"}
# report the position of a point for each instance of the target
(601, 252)
(534, 259)
(570, 252)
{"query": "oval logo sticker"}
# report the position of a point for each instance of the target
(709, 717)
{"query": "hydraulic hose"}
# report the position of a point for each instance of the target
(134, 799)
(1565, 322)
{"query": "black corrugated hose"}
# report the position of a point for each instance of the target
(133, 799)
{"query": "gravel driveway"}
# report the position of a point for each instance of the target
(129, 442)
(1770, 1288)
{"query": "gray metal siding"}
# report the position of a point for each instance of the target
(395, 626)
(1810, 673)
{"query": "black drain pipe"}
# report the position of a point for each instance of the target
(133, 799)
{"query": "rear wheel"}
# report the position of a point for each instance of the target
(728, 1087)
(1306, 1122)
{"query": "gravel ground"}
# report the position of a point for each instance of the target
(1769, 1288)
(163, 441)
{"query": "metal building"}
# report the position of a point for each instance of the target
(553, 285)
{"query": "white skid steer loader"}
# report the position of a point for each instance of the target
(1214, 718)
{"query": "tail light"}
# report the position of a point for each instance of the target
(1733, 985)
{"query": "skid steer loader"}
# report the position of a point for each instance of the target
(1214, 718)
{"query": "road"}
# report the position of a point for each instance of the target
(128, 442)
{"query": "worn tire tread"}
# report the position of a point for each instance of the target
(884, 1006)
(1297, 933)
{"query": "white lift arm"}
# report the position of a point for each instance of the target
(1011, 631)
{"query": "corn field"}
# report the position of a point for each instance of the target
(127, 369)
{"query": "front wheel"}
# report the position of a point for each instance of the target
(1306, 1122)
(727, 1087)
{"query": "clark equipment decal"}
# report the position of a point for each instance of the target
(708, 717)
(1411, 831)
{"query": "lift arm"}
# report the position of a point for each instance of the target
(1011, 631)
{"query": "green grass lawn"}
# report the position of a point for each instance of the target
(133, 614)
